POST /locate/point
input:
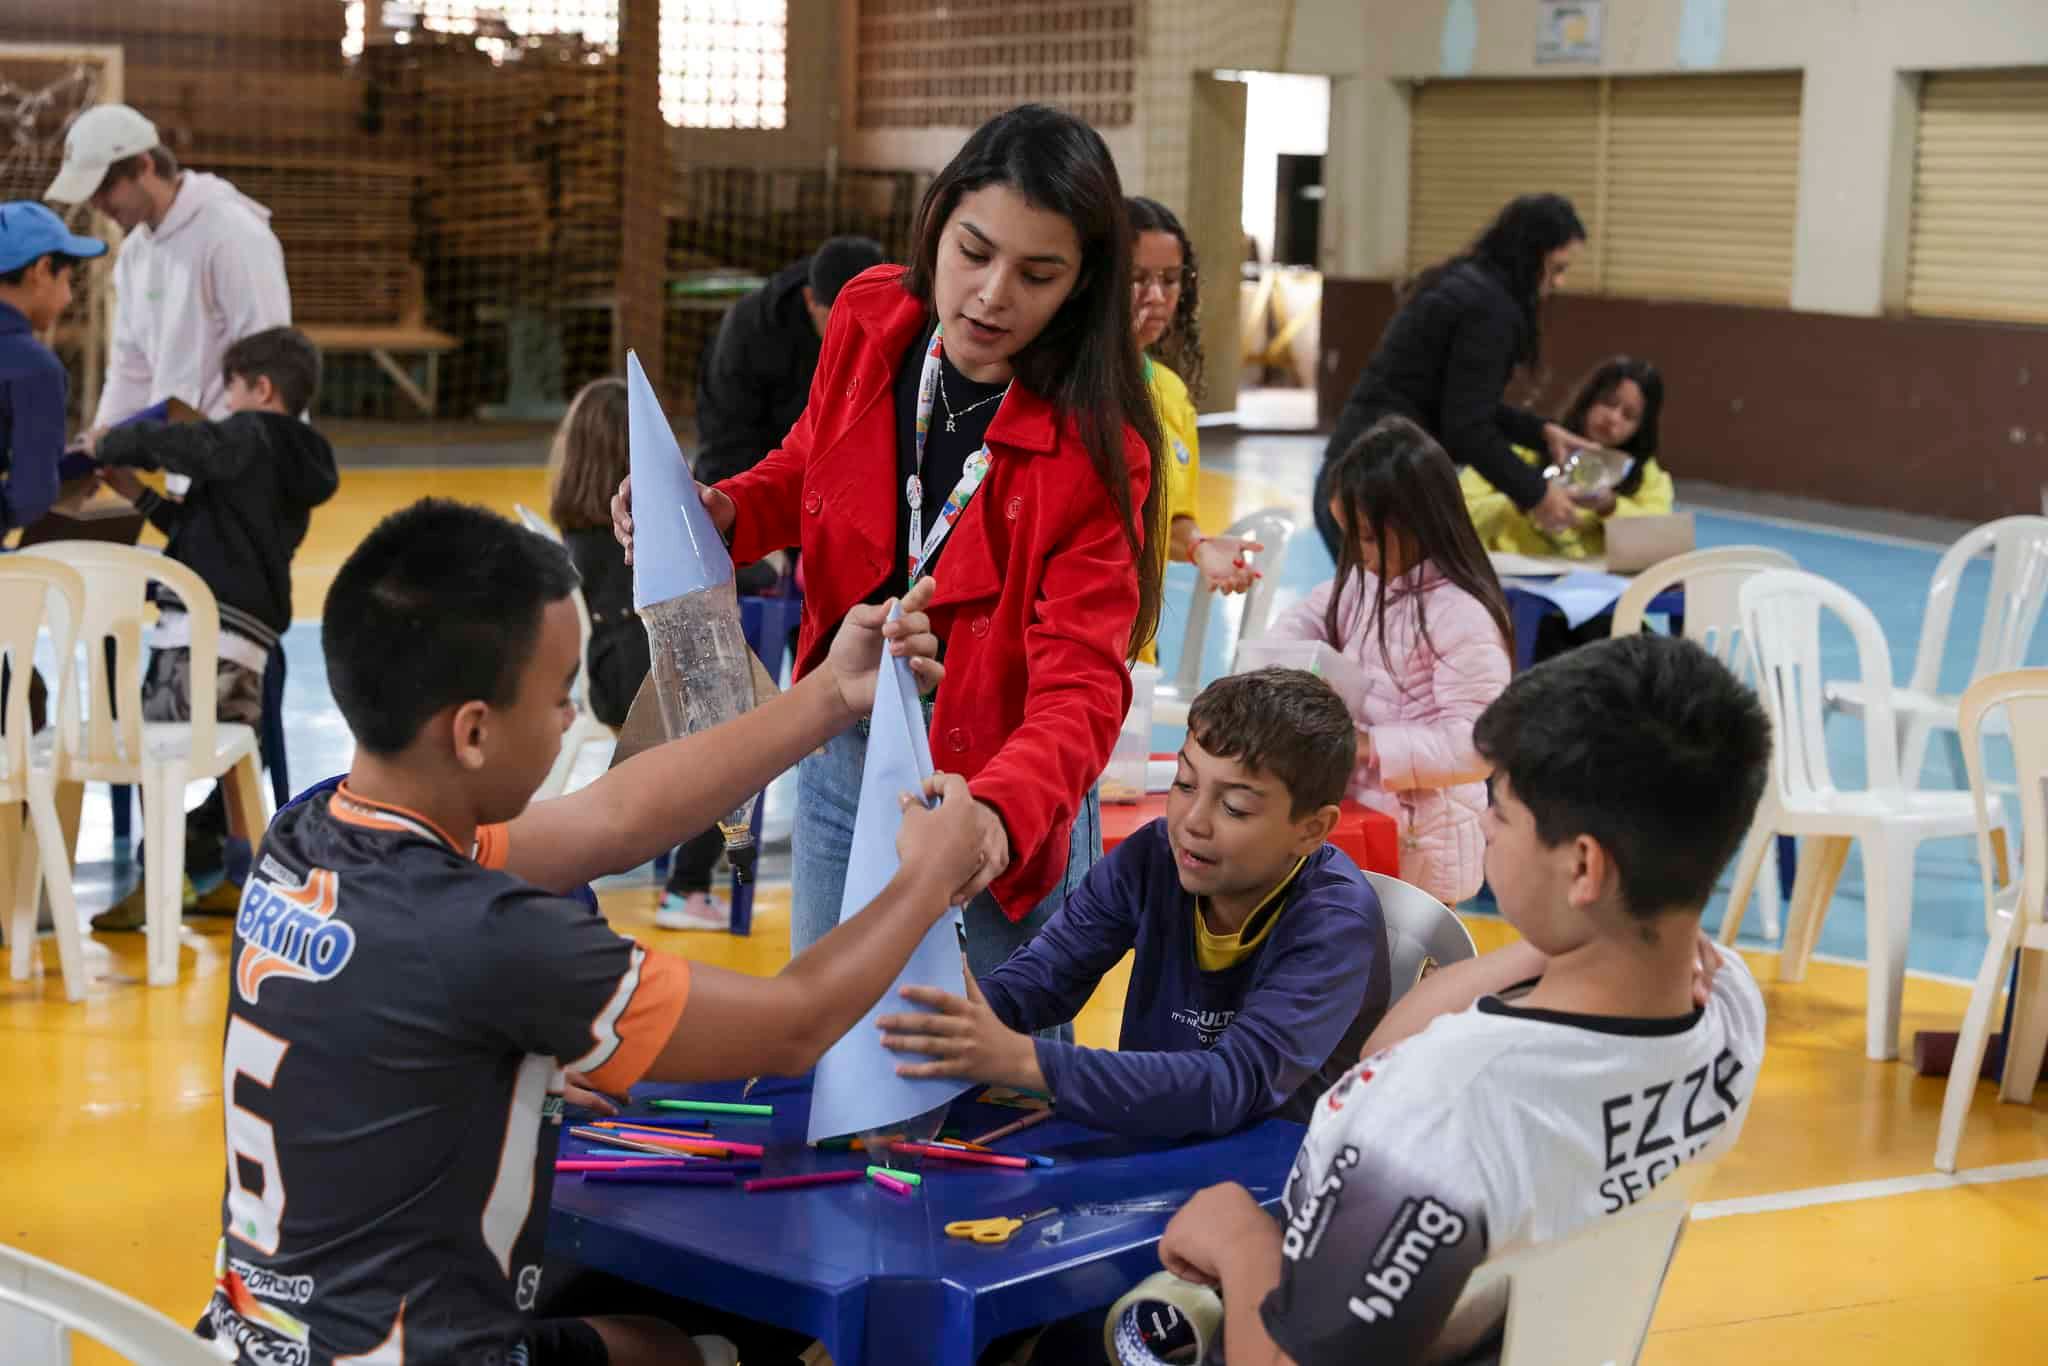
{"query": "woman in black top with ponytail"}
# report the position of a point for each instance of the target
(1464, 327)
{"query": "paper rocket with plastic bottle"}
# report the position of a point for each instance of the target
(857, 1088)
(683, 590)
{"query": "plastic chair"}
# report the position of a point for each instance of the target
(1781, 611)
(1588, 1297)
(269, 744)
(107, 741)
(28, 772)
(1713, 581)
(42, 1303)
(586, 729)
(1422, 932)
(1274, 529)
(2015, 916)
(2012, 609)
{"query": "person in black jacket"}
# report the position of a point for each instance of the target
(256, 475)
(754, 377)
(1463, 328)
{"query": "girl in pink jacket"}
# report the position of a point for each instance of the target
(1417, 606)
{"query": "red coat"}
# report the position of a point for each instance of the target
(1037, 585)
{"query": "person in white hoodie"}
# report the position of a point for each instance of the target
(200, 267)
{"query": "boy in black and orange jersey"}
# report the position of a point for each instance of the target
(411, 984)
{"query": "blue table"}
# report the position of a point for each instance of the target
(1527, 610)
(873, 1275)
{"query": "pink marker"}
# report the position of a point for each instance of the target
(780, 1183)
(602, 1164)
(889, 1183)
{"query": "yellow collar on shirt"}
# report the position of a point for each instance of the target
(1217, 952)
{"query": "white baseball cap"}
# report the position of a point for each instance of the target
(101, 136)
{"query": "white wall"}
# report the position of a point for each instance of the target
(1859, 58)
(1284, 116)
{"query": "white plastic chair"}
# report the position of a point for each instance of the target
(1272, 528)
(1587, 1299)
(28, 585)
(1713, 582)
(2012, 609)
(1781, 612)
(1421, 932)
(42, 1304)
(2015, 916)
(107, 741)
(586, 729)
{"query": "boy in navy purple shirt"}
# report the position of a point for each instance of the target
(1261, 957)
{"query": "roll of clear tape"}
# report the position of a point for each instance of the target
(1165, 1321)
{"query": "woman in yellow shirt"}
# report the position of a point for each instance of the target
(1618, 406)
(1165, 298)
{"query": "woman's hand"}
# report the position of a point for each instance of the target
(995, 853)
(940, 833)
(1221, 560)
(856, 651)
(717, 504)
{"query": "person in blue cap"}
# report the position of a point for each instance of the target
(39, 257)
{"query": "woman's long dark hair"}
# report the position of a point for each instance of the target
(1514, 246)
(1085, 362)
(1605, 379)
(1396, 480)
(1181, 348)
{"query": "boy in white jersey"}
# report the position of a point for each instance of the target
(1518, 1097)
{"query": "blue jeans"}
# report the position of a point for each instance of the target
(828, 794)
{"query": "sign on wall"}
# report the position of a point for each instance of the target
(1568, 31)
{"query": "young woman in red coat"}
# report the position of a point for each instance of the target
(1000, 368)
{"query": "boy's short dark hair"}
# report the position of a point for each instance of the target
(1284, 722)
(282, 355)
(58, 262)
(838, 260)
(440, 605)
(1649, 745)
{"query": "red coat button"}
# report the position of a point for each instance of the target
(1015, 507)
(851, 386)
(813, 501)
(956, 740)
(979, 626)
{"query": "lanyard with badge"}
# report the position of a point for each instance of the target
(922, 545)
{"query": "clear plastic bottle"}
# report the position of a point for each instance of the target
(704, 676)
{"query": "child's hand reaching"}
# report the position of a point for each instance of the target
(856, 651)
(1221, 559)
(962, 1037)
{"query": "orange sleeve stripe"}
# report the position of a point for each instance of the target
(493, 845)
(647, 1022)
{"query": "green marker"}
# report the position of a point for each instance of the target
(907, 1178)
(712, 1107)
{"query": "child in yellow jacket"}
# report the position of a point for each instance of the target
(1164, 304)
(1618, 406)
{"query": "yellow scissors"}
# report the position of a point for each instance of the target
(996, 1230)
